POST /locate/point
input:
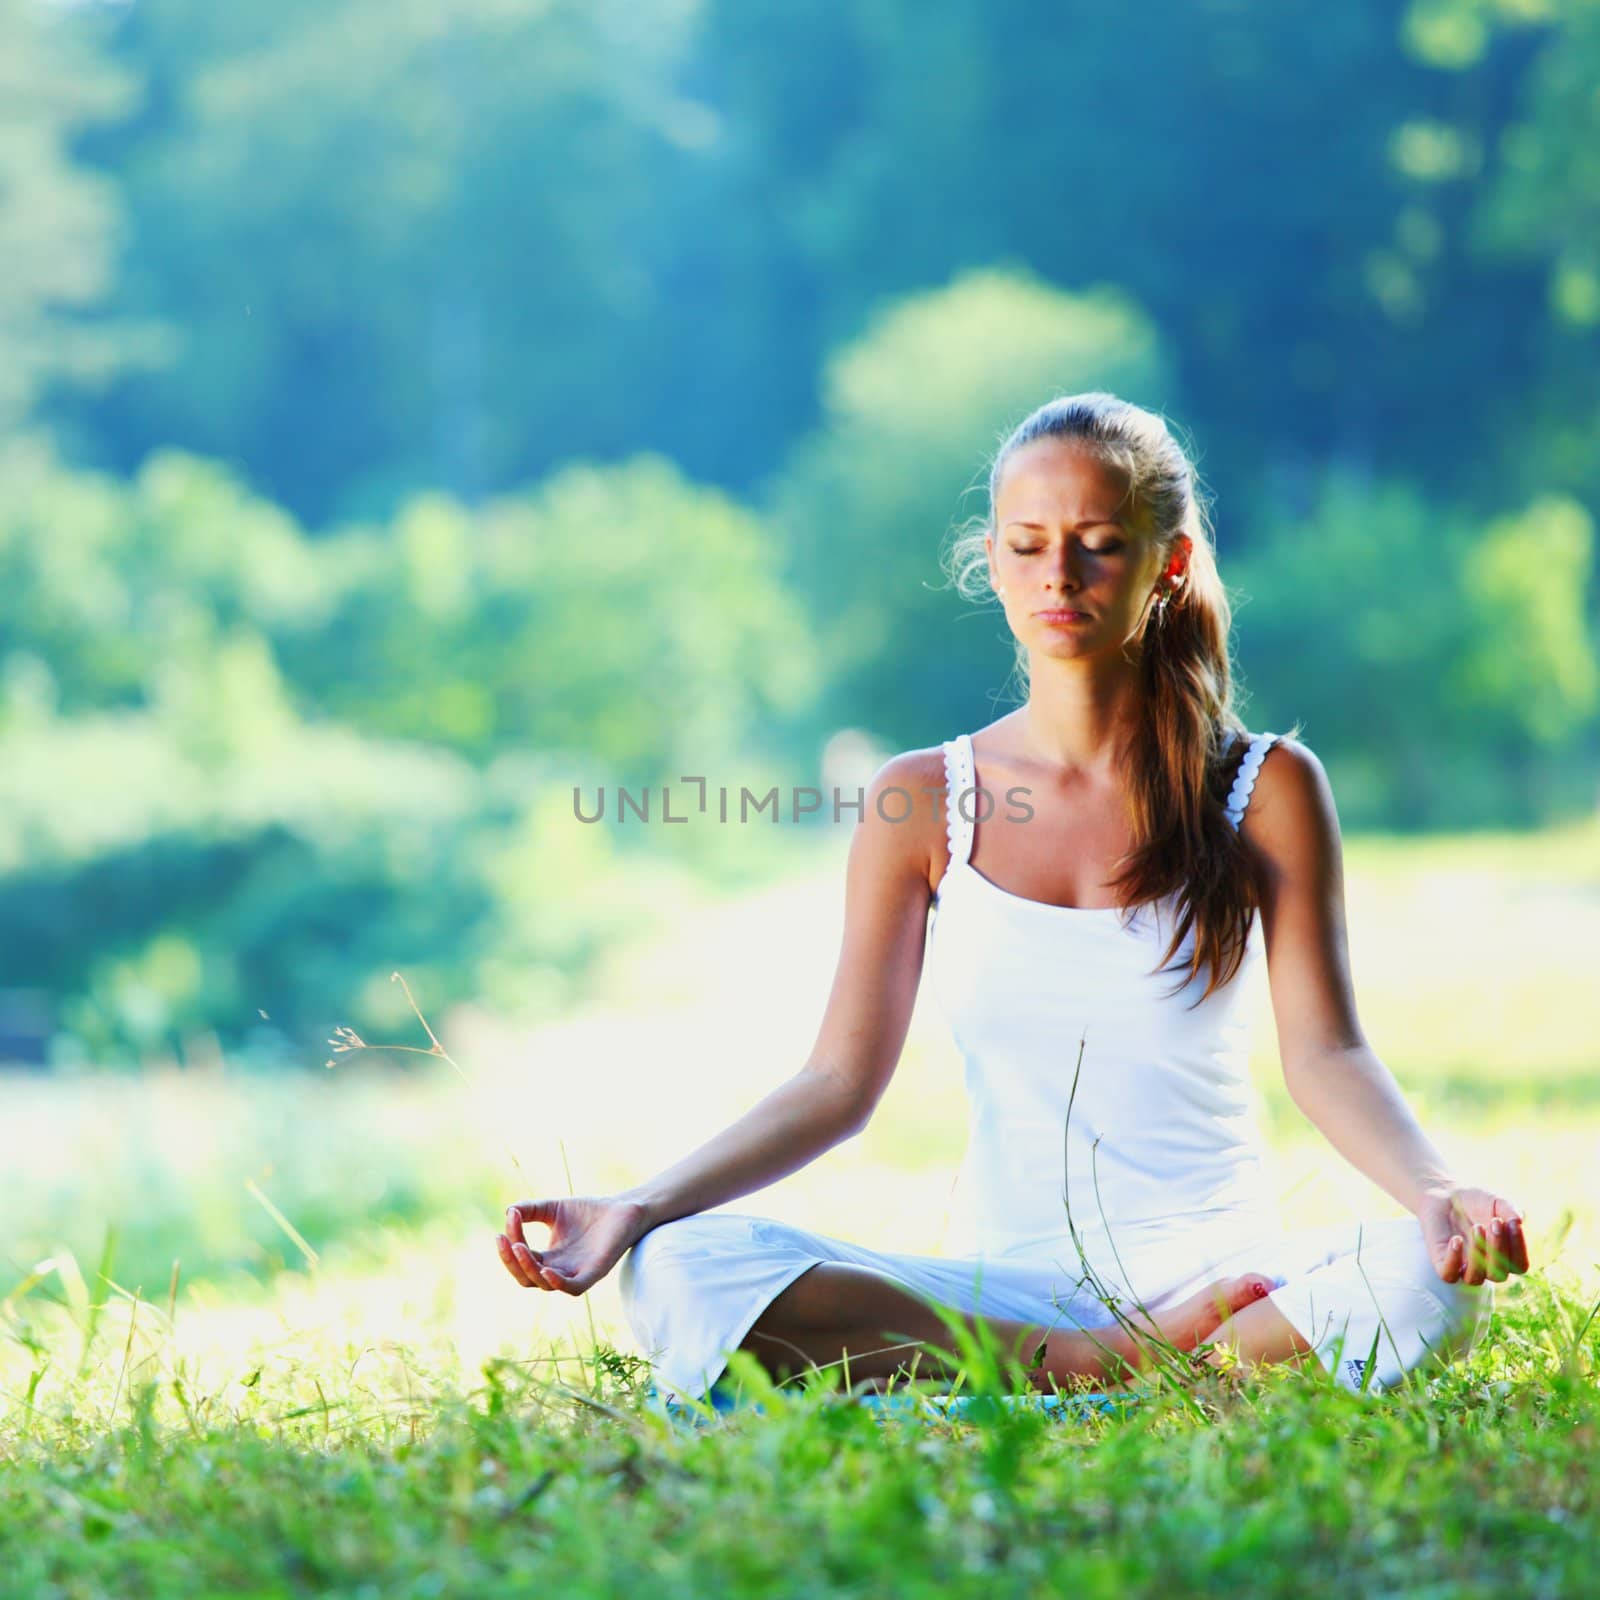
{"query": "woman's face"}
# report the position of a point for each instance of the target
(1064, 543)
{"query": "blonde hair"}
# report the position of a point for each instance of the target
(1179, 776)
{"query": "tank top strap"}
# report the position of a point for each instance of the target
(959, 782)
(1244, 781)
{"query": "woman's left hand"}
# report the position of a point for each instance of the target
(1472, 1235)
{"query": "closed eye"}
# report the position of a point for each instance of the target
(1094, 550)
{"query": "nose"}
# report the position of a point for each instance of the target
(1062, 571)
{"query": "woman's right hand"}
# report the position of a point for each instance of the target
(588, 1236)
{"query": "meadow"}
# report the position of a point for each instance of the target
(254, 1337)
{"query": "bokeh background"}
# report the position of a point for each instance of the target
(410, 412)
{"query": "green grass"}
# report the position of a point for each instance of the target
(199, 1397)
(325, 1466)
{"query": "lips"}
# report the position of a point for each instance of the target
(1062, 615)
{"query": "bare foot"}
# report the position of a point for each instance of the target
(1102, 1352)
(1194, 1320)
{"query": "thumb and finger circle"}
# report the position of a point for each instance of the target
(523, 1265)
(541, 1276)
(508, 1258)
(528, 1211)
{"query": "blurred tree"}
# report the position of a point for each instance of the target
(1247, 194)
(1541, 210)
(412, 264)
(617, 611)
(58, 222)
(157, 886)
(1444, 671)
(913, 412)
(119, 592)
(404, 247)
(179, 846)
(1531, 663)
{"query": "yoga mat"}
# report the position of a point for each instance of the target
(929, 1407)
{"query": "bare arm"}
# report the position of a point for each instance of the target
(826, 1101)
(863, 1027)
(1332, 1073)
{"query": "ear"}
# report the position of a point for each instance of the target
(1178, 562)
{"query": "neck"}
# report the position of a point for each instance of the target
(1082, 715)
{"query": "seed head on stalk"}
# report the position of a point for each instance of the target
(1171, 1365)
(346, 1039)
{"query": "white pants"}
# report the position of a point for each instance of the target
(1356, 1293)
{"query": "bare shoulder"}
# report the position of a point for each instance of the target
(902, 817)
(885, 931)
(1291, 822)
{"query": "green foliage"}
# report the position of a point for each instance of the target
(1433, 662)
(511, 307)
(245, 771)
(1530, 669)
(391, 255)
(398, 251)
(317, 1461)
(620, 613)
(58, 221)
(127, 592)
(288, 877)
(1541, 211)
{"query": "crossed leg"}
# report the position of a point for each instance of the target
(1253, 1335)
(837, 1312)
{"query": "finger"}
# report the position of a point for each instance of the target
(574, 1282)
(1499, 1263)
(1450, 1268)
(531, 1265)
(508, 1256)
(1517, 1245)
(1477, 1255)
(1516, 1242)
(556, 1277)
(1443, 1254)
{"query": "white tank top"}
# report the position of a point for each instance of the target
(1164, 1116)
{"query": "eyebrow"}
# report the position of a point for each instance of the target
(1088, 522)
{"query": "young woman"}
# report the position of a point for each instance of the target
(1108, 867)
